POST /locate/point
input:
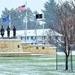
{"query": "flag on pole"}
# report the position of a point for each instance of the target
(39, 16)
(5, 18)
(20, 8)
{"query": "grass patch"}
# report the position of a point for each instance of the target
(33, 65)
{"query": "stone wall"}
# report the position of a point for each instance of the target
(38, 49)
(14, 47)
(10, 45)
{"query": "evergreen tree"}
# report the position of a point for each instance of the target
(18, 19)
(15, 19)
(50, 13)
(5, 13)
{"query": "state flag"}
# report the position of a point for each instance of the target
(5, 18)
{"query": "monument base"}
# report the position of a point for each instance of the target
(10, 45)
(15, 54)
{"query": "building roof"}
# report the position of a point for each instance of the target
(38, 32)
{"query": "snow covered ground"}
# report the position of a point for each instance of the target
(31, 65)
(62, 53)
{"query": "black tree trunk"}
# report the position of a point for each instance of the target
(66, 65)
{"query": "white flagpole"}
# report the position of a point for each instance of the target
(26, 21)
(43, 29)
(9, 20)
(36, 32)
(26, 26)
(43, 33)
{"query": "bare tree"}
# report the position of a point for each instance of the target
(66, 21)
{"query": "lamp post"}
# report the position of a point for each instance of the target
(71, 62)
(56, 59)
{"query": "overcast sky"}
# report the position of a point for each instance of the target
(32, 4)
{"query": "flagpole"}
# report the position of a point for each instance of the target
(26, 21)
(36, 32)
(43, 30)
(20, 8)
(43, 33)
(26, 26)
(9, 20)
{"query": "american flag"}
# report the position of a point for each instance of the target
(20, 8)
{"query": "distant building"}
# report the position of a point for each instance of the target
(34, 37)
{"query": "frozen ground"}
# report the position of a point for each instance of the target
(62, 53)
(31, 65)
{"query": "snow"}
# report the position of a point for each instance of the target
(30, 65)
(62, 53)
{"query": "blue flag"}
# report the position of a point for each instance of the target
(5, 19)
